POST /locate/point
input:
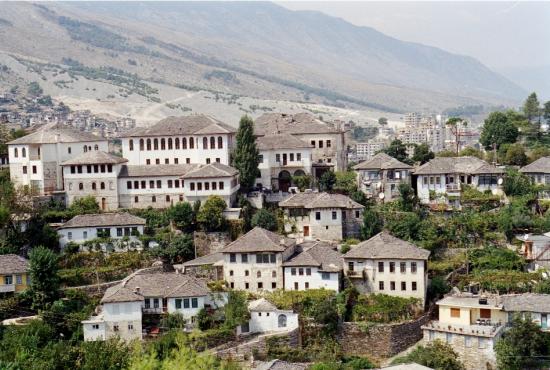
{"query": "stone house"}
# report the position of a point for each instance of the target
(209, 266)
(315, 265)
(116, 226)
(389, 265)
(266, 318)
(441, 179)
(322, 216)
(536, 250)
(14, 273)
(539, 172)
(382, 174)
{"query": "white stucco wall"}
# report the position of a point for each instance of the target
(263, 322)
(314, 280)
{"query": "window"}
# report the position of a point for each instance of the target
(128, 185)
(258, 274)
(295, 286)
(260, 285)
(281, 320)
(230, 272)
(169, 184)
(325, 276)
(131, 144)
(177, 183)
(102, 186)
(403, 285)
(214, 185)
(192, 186)
(186, 303)
(308, 271)
(95, 326)
(8, 279)
(212, 143)
(329, 144)
(159, 184)
(162, 144)
(414, 285)
(313, 143)
(102, 168)
(130, 326)
(153, 199)
(291, 157)
(273, 274)
(141, 145)
(166, 161)
(277, 157)
(24, 152)
(156, 144)
(176, 161)
(136, 199)
(320, 143)
(273, 285)
(244, 258)
(300, 271)
(261, 158)
(272, 258)
(455, 312)
(350, 266)
(220, 142)
(403, 267)
(205, 143)
(317, 216)
(119, 231)
(413, 267)
(246, 285)
(293, 271)
(220, 185)
(232, 257)
(380, 266)
(246, 273)
(334, 215)
(485, 313)
(187, 160)
(80, 186)
(206, 186)
(298, 156)
(148, 144)
(392, 285)
(392, 266)
(357, 214)
(307, 285)
(380, 285)
(156, 303)
(115, 327)
(16, 152)
(157, 161)
(96, 147)
(448, 337)
(84, 235)
(25, 169)
(199, 186)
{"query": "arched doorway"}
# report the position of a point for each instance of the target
(282, 321)
(299, 173)
(284, 180)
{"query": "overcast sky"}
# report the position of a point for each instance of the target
(499, 34)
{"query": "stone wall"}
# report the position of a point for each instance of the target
(95, 290)
(380, 340)
(206, 243)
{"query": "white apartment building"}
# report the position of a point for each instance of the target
(116, 226)
(539, 172)
(365, 151)
(440, 180)
(148, 291)
(196, 138)
(322, 216)
(382, 174)
(282, 156)
(326, 139)
(254, 262)
(316, 265)
(386, 264)
(412, 119)
(35, 159)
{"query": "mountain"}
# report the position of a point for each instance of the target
(253, 49)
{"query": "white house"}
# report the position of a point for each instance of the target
(196, 138)
(35, 159)
(323, 216)
(539, 172)
(85, 228)
(316, 265)
(254, 262)
(441, 179)
(266, 318)
(382, 174)
(148, 291)
(282, 156)
(327, 139)
(386, 264)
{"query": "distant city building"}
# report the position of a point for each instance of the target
(365, 151)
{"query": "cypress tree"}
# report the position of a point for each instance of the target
(246, 157)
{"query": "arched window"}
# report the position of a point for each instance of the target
(80, 186)
(96, 147)
(131, 144)
(141, 144)
(274, 274)
(191, 143)
(170, 143)
(94, 187)
(282, 321)
(259, 274)
(102, 186)
(153, 199)
(177, 143)
(156, 144)
(205, 143)
(212, 142)
(85, 148)
(220, 142)
(184, 143)
(16, 152)
(23, 152)
(162, 144)
(70, 186)
(148, 144)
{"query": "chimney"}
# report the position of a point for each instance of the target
(528, 249)
(137, 290)
(482, 300)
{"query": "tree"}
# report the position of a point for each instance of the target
(327, 181)
(182, 215)
(471, 152)
(436, 355)
(303, 182)
(87, 204)
(346, 182)
(407, 200)
(446, 153)
(398, 150)
(546, 111)
(175, 248)
(454, 124)
(246, 155)
(236, 309)
(498, 130)
(382, 121)
(265, 219)
(531, 108)
(372, 223)
(210, 215)
(522, 346)
(517, 184)
(422, 153)
(34, 89)
(515, 155)
(43, 268)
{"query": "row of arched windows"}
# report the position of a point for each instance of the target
(163, 144)
(94, 186)
(23, 152)
(88, 147)
(258, 273)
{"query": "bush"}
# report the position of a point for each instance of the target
(210, 215)
(382, 308)
(265, 219)
(436, 355)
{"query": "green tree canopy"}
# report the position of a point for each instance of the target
(265, 219)
(498, 130)
(346, 182)
(327, 181)
(531, 107)
(236, 309)
(436, 355)
(84, 205)
(515, 155)
(471, 152)
(246, 156)
(182, 215)
(546, 112)
(383, 121)
(210, 215)
(175, 248)
(422, 153)
(303, 182)
(398, 150)
(43, 268)
(372, 223)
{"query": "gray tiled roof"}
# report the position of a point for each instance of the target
(299, 123)
(145, 283)
(103, 219)
(209, 259)
(259, 240)
(280, 365)
(156, 170)
(411, 366)
(319, 200)
(381, 161)
(261, 304)
(95, 157)
(195, 124)
(466, 165)
(528, 302)
(541, 165)
(386, 246)
(280, 141)
(211, 170)
(13, 264)
(51, 134)
(320, 255)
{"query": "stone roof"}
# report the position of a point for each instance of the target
(381, 161)
(294, 124)
(195, 124)
(541, 165)
(411, 366)
(528, 302)
(320, 255)
(95, 157)
(259, 240)
(261, 304)
(51, 134)
(466, 165)
(103, 219)
(13, 264)
(211, 170)
(386, 246)
(156, 170)
(280, 141)
(144, 283)
(209, 259)
(319, 200)
(280, 365)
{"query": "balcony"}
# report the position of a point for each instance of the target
(7, 288)
(452, 188)
(488, 330)
(356, 274)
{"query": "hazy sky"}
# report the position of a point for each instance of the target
(499, 34)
